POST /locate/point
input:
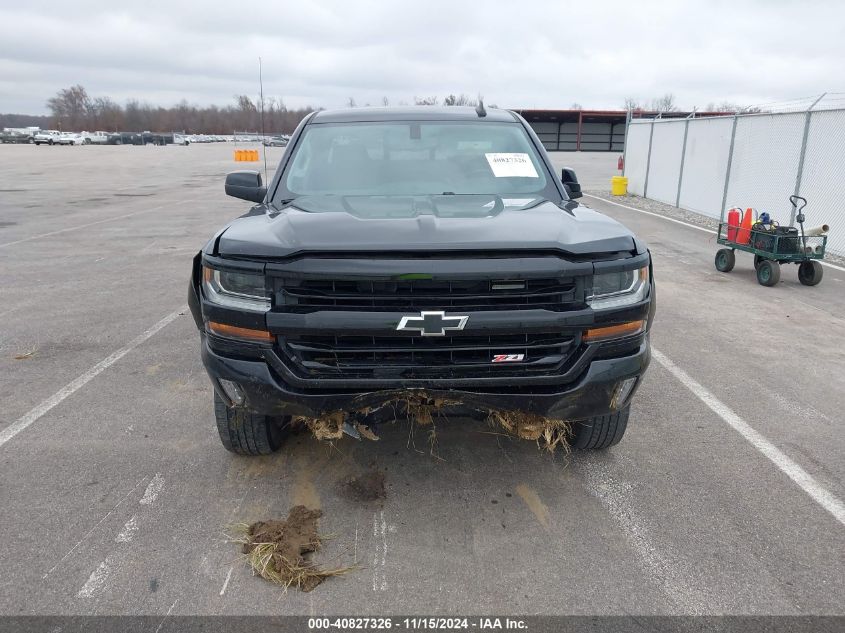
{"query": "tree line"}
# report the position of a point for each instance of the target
(73, 109)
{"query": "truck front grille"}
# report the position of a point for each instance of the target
(418, 294)
(409, 357)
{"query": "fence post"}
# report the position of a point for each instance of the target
(625, 142)
(800, 173)
(728, 171)
(683, 157)
(648, 160)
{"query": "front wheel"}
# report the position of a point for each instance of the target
(602, 431)
(810, 273)
(246, 433)
(768, 273)
(725, 260)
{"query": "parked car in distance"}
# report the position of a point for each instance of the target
(71, 138)
(276, 141)
(125, 138)
(95, 138)
(17, 135)
(47, 137)
(181, 139)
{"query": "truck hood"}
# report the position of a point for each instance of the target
(431, 223)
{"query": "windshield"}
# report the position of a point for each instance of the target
(417, 159)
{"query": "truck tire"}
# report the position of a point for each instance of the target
(810, 273)
(600, 432)
(246, 433)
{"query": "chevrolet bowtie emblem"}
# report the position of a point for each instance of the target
(433, 323)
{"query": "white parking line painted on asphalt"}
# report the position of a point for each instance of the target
(96, 581)
(615, 494)
(153, 489)
(72, 387)
(128, 531)
(226, 582)
(91, 531)
(802, 478)
(657, 215)
(166, 615)
(380, 530)
(692, 226)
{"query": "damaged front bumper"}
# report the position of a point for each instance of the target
(604, 385)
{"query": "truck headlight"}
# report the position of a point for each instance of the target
(244, 291)
(618, 289)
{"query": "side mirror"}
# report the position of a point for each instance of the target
(245, 185)
(570, 183)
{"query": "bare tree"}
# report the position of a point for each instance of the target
(460, 100)
(666, 103)
(108, 115)
(575, 106)
(724, 106)
(425, 101)
(632, 103)
(71, 107)
(351, 103)
(385, 102)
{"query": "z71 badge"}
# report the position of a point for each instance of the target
(508, 358)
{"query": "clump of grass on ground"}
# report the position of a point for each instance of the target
(547, 432)
(278, 551)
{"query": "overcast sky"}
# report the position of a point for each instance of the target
(519, 54)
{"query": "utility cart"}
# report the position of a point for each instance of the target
(772, 247)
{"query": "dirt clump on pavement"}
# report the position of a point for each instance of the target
(367, 487)
(278, 550)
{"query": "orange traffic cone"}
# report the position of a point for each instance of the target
(743, 236)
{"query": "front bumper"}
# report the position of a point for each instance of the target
(593, 393)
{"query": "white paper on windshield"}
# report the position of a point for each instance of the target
(511, 165)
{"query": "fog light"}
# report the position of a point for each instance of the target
(623, 390)
(233, 391)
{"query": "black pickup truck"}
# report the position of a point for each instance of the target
(420, 250)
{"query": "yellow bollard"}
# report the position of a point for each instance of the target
(619, 185)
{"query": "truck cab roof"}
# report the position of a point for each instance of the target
(411, 113)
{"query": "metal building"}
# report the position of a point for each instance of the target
(588, 130)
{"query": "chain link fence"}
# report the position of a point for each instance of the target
(756, 160)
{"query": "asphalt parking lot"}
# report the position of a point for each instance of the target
(725, 497)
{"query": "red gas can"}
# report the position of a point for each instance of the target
(733, 224)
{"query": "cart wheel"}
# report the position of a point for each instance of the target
(768, 273)
(725, 260)
(757, 260)
(810, 273)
